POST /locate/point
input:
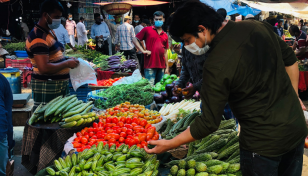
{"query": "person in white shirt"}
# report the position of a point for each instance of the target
(81, 32)
(62, 34)
(25, 28)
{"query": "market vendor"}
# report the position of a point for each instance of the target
(301, 43)
(50, 75)
(256, 72)
(100, 32)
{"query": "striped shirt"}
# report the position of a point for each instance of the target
(124, 36)
(43, 42)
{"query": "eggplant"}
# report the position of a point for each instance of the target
(168, 89)
(175, 99)
(167, 101)
(164, 94)
(158, 98)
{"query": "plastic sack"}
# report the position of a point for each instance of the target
(69, 144)
(83, 74)
(306, 117)
(136, 76)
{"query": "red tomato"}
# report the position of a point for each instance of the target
(123, 134)
(84, 140)
(109, 120)
(144, 144)
(129, 131)
(149, 136)
(108, 136)
(108, 128)
(143, 123)
(100, 124)
(79, 149)
(110, 131)
(142, 137)
(129, 137)
(94, 137)
(123, 129)
(131, 142)
(91, 134)
(90, 129)
(134, 124)
(108, 125)
(134, 120)
(95, 125)
(77, 145)
(128, 121)
(147, 126)
(111, 143)
(115, 136)
(77, 139)
(99, 136)
(118, 131)
(121, 139)
(123, 119)
(116, 108)
(85, 133)
(128, 126)
(112, 140)
(115, 120)
(155, 137)
(121, 124)
(136, 140)
(139, 145)
(78, 134)
(86, 136)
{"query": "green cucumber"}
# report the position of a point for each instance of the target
(34, 115)
(78, 110)
(66, 103)
(42, 110)
(69, 107)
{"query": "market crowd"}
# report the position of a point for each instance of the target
(245, 66)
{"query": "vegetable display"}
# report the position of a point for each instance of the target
(107, 82)
(105, 160)
(171, 56)
(136, 93)
(174, 110)
(215, 154)
(11, 47)
(116, 131)
(66, 109)
(133, 111)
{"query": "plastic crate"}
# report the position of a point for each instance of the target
(20, 64)
(21, 53)
(82, 91)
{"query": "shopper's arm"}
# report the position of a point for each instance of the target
(45, 67)
(92, 32)
(167, 71)
(71, 46)
(184, 78)
(139, 47)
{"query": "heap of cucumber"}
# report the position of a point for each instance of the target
(66, 109)
(102, 161)
(215, 155)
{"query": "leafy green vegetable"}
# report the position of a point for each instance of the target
(136, 93)
(11, 47)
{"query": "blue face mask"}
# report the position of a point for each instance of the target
(55, 23)
(159, 23)
(136, 21)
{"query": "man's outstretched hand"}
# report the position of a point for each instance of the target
(161, 146)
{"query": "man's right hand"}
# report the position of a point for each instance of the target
(72, 63)
(147, 52)
(175, 88)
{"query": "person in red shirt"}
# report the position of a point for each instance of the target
(156, 40)
(300, 44)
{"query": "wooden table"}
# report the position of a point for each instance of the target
(21, 115)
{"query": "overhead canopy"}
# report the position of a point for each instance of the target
(244, 10)
(217, 4)
(296, 9)
(133, 2)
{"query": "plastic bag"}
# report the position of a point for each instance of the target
(83, 74)
(136, 76)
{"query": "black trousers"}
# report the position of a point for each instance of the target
(104, 49)
(141, 62)
(289, 164)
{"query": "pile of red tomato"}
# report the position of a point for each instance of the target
(113, 130)
(107, 82)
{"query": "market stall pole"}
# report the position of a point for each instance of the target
(42, 144)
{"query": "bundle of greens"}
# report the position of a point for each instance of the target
(137, 93)
(11, 47)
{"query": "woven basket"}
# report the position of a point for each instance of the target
(179, 152)
(117, 8)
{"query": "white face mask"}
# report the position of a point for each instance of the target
(194, 48)
(70, 18)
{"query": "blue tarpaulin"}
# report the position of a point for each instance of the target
(230, 7)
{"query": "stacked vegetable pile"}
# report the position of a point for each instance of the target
(174, 110)
(67, 109)
(217, 153)
(167, 79)
(133, 111)
(107, 82)
(113, 130)
(287, 34)
(11, 47)
(136, 93)
(105, 161)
